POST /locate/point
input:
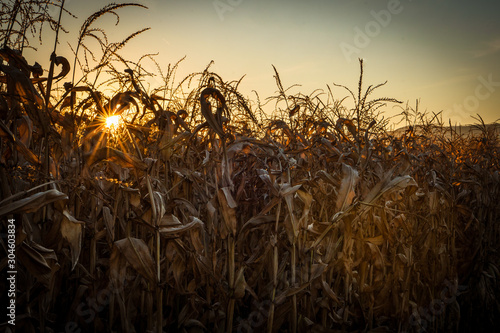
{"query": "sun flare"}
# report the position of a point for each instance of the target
(113, 121)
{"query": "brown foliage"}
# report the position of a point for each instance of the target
(311, 219)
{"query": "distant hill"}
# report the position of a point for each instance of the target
(465, 130)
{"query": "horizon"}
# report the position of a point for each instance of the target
(443, 54)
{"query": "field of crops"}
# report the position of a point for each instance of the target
(192, 210)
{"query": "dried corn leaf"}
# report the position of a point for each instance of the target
(71, 231)
(290, 292)
(196, 235)
(240, 284)
(34, 257)
(170, 220)
(240, 146)
(122, 101)
(160, 208)
(385, 186)
(307, 199)
(195, 326)
(434, 206)
(317, 270)
(403, 258)
(65, 67)
(214, 121)
(376, 255)
(264, 175)
(325, 176)
(25, 129)
(32, 203)
(27, 153)
(94, 95)
(287, 189)
(229, 197)
(23, 86)
(137, 254)
(109, 222)
(292, 218)
(168, 143)
(123, 159)
(349, 124)
(260, 220)
(188, 205)
(117, 269)
(178, 267)
(228, 206)
(346, 193)
(173, 231)
(335, 221)
(378, 240)
(20, 146)
(329, 291)
(134, 197)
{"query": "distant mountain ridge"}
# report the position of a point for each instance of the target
(469, 129)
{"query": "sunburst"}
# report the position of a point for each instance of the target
(113, 121)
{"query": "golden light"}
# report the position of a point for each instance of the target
(113, 122)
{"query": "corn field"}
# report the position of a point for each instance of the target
(196, 211)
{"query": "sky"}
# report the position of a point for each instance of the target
(446, 53)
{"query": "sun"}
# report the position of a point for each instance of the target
(113, 122)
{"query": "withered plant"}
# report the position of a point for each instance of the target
(186, 208)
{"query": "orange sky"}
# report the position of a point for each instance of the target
(445, 53)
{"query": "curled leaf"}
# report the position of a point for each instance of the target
(174, 229)
(214, 121)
